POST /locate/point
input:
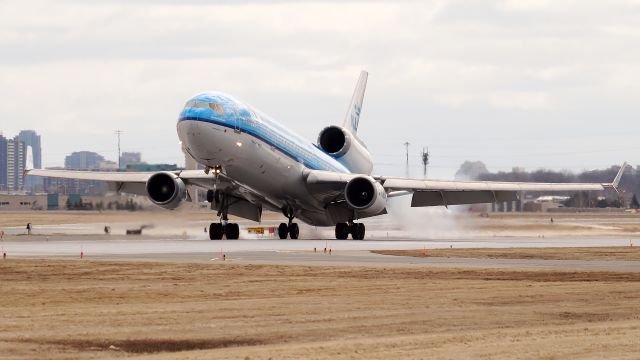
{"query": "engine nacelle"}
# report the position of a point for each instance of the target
(166, 190)
(365, 195)
(346, 148)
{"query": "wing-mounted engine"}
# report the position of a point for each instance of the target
(342, 145)
(166, 190)
(366, 196)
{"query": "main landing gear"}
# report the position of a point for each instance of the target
(357, 230)
(224, 227)
(218, 230)
(290, 229)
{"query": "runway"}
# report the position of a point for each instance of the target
(304, 252)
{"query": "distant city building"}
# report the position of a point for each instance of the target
(16, 163)
(13, 157)
(3, 164)
(83, 160)
(107, 165)
(128, 158)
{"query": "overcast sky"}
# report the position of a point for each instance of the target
(552, 84)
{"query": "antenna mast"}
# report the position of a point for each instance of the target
(118, 133)
(406, 145)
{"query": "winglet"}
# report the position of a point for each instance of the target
(28, 166)
(616, 181)
(29, 162)
(352, 118)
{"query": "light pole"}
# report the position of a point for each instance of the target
(425, 162)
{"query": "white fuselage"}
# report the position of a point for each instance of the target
(256, 152)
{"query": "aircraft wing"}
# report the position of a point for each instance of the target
(328, 186)
(135, 182)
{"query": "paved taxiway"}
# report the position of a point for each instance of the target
(301, 252)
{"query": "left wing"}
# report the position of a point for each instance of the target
(328, 186)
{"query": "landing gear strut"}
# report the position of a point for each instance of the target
(224, 227)
(291, 228)
(357, 230)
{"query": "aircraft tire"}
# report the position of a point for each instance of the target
(283, 230)
(294, 231)
(232, 231)
(358, 231)
(215, 231)
(342, 231)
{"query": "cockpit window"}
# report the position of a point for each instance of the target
(213, 106)
(217, 108)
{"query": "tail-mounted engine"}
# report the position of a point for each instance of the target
(346, 148)
(166, 190)
(365, 195)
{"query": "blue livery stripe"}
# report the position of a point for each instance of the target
(266, 134)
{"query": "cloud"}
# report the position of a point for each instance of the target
(440, 71)
(520, 100)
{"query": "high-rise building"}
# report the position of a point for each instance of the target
(129, 158)
(83, 160)
(12, 165)
(3, 164)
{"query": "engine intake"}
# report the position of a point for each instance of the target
(333, 140)
(166, 190)
(366, 195)
(346, 148)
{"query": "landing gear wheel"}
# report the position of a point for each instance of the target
(215, 231)
(294, 231)
(342, 231)
(357, 231)
(283, 230)
(232, 231)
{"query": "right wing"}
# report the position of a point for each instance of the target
(135, 183)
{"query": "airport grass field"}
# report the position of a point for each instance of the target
(75, 309)
(58, 307)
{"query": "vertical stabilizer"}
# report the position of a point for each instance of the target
(352, 119)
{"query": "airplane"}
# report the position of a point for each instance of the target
(253, 163)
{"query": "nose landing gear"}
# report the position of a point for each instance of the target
(224, 227)
(292, 229)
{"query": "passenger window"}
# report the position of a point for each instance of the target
(217, 108)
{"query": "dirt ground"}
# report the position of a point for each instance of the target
(80, 309)
(629, 253)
